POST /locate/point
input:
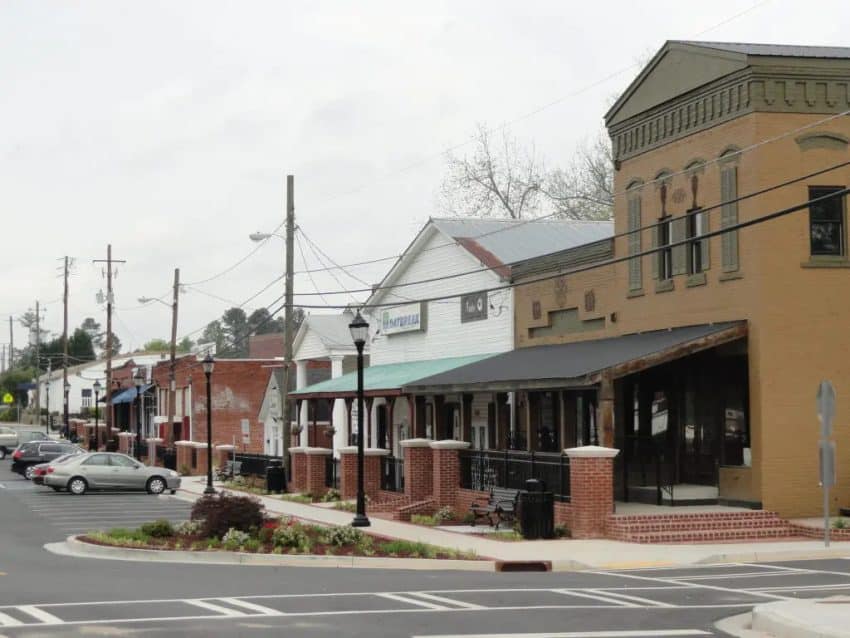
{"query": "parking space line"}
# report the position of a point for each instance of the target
(637, 599)
(594, 596)
(267, 611)
(40, 614)
(728, 590)
(413, 601)
(8, 621)
(224, 611)
(445, 601)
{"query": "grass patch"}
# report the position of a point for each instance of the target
(510, 536)
(424, 519)
(297, 498)
(345, 506)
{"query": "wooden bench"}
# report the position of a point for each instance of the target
(500, 507)
(229, 471)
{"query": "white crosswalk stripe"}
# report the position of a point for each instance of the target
(259, 609)
(40, 614)
(224, 611)
(8, 621)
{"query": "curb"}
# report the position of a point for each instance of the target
(75, 547)
(768, 557)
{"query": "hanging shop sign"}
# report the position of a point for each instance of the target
(407, 318)
(473, 307)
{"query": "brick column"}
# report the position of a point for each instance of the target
(299, 469)
(315, 458)
(223, 454)
(124, 442)
(371, 470)
(184, 455)
(348, 472)
(445, 460)
(152, 457)
(591, 489)
(418, 481)
(200, 468)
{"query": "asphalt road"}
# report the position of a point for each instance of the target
(42, 594)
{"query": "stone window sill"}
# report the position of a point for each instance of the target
(730, 276)
(635, 293)
(826, 261)
(665, 285)
(697, 279)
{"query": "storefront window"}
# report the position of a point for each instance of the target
(548, 433)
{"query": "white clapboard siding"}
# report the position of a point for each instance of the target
(311, 346)
(445, 336)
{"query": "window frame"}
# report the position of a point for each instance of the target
(815, 192)
(694, 231)
(665, 251)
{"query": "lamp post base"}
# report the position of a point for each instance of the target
(209, 490)
(360, 520)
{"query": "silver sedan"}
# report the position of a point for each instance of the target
(110, 471)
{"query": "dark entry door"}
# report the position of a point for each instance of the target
(382, 426)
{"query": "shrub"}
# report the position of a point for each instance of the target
(561, 531)
(839, 523)
(189, 528)
(291, 536)
(158, 529)
(185, 470)
(469, 518)
(234, 538)
(220, 513)
(331, 495)
(122, 533)
(398, 547)
(342, 536)
(423, 519)
(265, 535)
(444, 514)
(252, 545)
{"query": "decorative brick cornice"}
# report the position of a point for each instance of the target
(774, 90)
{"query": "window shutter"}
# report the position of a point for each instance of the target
(705, 251)
(729, 217)
(656, 255)
(678, 231)
(635, 275)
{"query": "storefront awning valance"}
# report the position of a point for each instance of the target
(384, 380)
(577, 364)
(129, 395)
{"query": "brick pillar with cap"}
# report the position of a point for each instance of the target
(418, 481)
(591, 489)
(445, 457)
(299, 469)
(315, 469)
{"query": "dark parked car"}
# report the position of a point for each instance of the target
(31, 454)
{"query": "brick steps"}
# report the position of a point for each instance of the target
(703, 527)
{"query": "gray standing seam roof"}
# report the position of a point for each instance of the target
(775, 50)
(513, 240)
(569, 360)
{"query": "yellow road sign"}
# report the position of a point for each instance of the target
(8, 398)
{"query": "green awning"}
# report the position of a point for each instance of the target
(383, 380)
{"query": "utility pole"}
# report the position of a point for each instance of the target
(286, 408)
(172, 378)
(11, 344)
(37, 363)
(109, 299)
(47, 388)
(67, 424)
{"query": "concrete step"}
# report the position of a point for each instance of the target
(690, 524)
(709, 535)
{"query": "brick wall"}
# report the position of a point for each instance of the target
(315, 471)
(299, 469)
(445, 463)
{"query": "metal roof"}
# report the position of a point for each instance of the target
(512, 240)
(775, 50)
(539, 365)
(387, 377)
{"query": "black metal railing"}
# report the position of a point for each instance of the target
(254, 464)
(392, 474)
(331, 472)
(485, 469)
(648, 464)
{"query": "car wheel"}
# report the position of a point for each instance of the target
(156, 485)
(78, 486)
(29, 472)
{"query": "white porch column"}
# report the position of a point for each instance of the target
(339, 423)
(302, 417)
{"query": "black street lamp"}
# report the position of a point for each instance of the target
(138, 380)
(208, 364)
(360, 333)
(97, 388)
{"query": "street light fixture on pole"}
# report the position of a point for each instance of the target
(138, 380)
(97, 388)
(360, 333)
(208, 364)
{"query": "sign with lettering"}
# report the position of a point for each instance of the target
(473, 307)
(407, 318)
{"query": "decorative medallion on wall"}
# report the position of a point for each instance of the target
(535, 310)
(561, 291)
(589, 301)
(679, 195)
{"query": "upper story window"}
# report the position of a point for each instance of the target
(826, 222)
(665, 254)
(696, 247)
(729, 209)
(634, 236)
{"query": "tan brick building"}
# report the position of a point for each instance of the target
(700, 358)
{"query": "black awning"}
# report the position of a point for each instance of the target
(578, 364)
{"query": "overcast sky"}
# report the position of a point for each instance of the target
(167, 128)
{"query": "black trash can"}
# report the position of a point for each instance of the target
(275, 477)
(536, 511)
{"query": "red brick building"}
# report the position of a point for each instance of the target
(238, 386)
(265, 346)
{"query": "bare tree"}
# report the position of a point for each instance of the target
(585, 190)
(495, 180)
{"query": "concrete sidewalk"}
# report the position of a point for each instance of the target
(807, 618)
(563, 554)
